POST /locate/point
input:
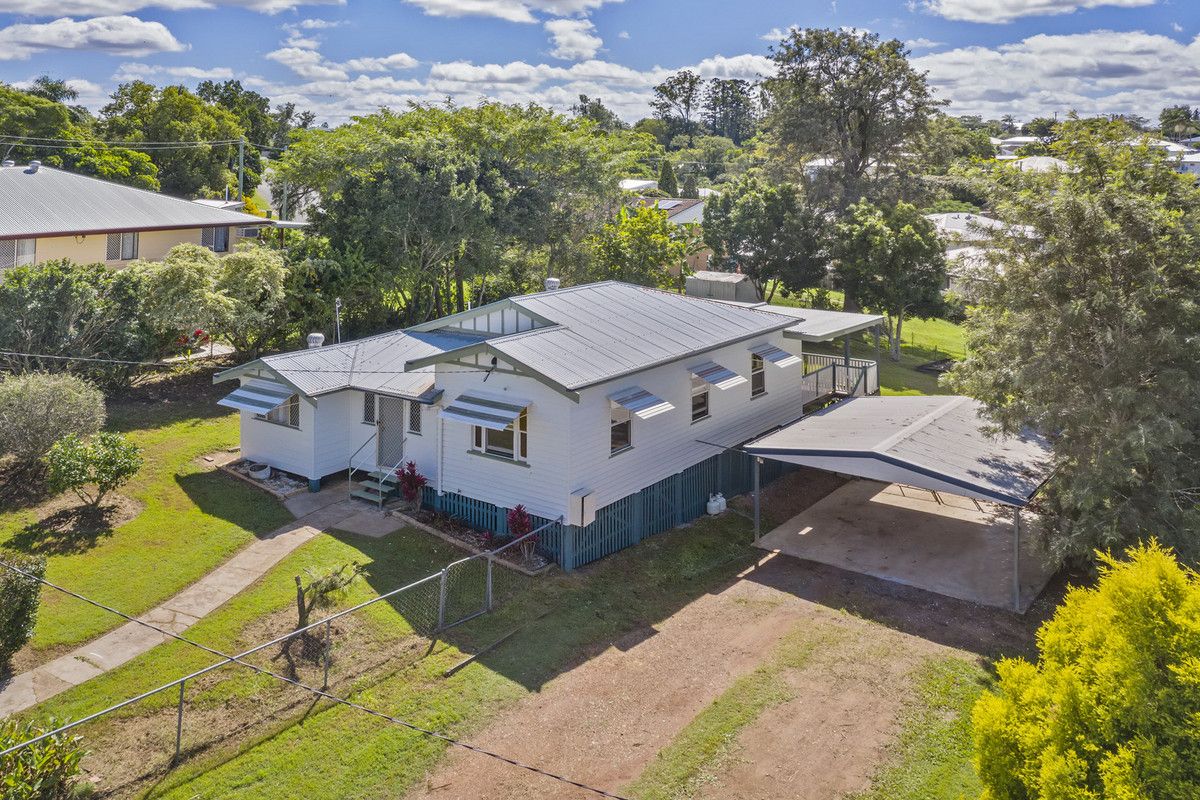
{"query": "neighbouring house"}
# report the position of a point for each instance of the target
(721, 286)
(1190, 164)
(636, 184)
(48, 214)
(1010, 145)
(609, 406)
(680, 210)
(1041, 164)
(967, 237)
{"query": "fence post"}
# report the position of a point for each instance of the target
(179, 724)
(488, 592)
(328, 652)
(442, 598)
(568, 547)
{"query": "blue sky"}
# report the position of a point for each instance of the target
(992, 57)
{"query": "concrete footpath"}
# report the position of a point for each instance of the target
(314, 513)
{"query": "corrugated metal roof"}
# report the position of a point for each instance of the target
(719, 277)
(51, 201)
(816, 324)
(923, 439)
(605, 330)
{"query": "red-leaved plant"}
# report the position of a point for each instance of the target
(520, 524)
(411, 482)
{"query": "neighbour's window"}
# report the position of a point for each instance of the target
(620, 429)
(286, 413)
(15, 252)
(215, 239)
(758, 376)
(699, 399)
(512, 442)
(122, 246)
(414, 417)
(369, 408)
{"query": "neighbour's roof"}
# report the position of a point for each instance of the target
(967, 226)
(636, 184)
(934, 442)
(1041, 164)
(719, 277)
(52, 202)
(672, 205)
(815, 324)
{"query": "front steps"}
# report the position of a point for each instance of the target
(377, 487)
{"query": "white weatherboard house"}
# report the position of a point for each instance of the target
(608, 405)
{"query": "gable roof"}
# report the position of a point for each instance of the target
(52, 202)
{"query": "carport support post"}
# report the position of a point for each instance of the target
(1016, 587)
(757, 503)
(846, 353)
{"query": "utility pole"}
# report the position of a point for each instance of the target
(337, 319)
(241, 166)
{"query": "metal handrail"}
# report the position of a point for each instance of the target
(392, 471)
(350, 463)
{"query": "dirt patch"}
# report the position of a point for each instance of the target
(790, 494)
(64, 525)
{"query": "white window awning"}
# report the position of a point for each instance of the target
(776, 355)
(713, 373)
(640, 402)
(485, 412)
(258, 396)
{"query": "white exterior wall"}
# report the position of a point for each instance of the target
(283, 447)
(666, 444)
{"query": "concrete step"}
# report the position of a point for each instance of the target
(384, 477)
(376, 486)
(365, 494)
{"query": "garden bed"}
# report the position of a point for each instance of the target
(280, 484)
(937, 367)
(475, 541)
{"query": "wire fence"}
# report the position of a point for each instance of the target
(260, 693)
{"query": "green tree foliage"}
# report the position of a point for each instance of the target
(894, 262)
(1109, 710)
(253, 280)
(713, 156)
(769, 233)
(677, 101)
(1179, 122)
(847, 95)
(946, 142)
(1041, 127)
(652, 126)
(731, 108)
(19, 597)
(593, 109)
(253, 113)
(1086, 334)
(667, 182)
(58, 308)
(34, 115)
(689, 189)
(182, 294)
(640, 246)
(92, 467)
(48, 770)
(139, 111)
(38, 409)
(322, 589)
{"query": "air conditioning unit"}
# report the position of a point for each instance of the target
(581, 508)
(249, 233)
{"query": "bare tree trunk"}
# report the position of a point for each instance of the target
(894, 341)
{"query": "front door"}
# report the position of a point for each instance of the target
(390, 420)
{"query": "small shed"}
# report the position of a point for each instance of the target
(721, 286)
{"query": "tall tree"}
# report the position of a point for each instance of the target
(1041, 127)
(1179, 122)
(849, 96)
(895, 263)
(676, 101)
(55, 90)
(769, 233)
(253, 112)
(1088, 334)
(640, 247)
(667, 182)
(731, 108)
(593, 108)
(689, 189)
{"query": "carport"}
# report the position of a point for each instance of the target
(937, 445)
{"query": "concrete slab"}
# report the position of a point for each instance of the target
(941, 543)
(371, 523)
(307, 502)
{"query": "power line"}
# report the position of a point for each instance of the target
(264, 671)
(119, 142)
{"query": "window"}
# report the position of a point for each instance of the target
(621, 429)
(512, 442)
(286, 413)
(15, 252)
(368, 408)
(699, 399)
(414, 417)
(758, 376)
(215, 239)
(122, 246)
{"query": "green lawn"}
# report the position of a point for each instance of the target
(193, 519)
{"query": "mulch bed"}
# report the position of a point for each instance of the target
(476, 541)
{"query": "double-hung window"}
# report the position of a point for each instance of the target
(414, 417)
(122, 246)
(758, 376)
(512, 442)
(286, 413)
(15, 252)
(620, 429)
(699, 399)
(368, 417)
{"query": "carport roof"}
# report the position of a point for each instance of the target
(939, 443)
(815, 324)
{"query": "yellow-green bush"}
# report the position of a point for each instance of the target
(1111, 711)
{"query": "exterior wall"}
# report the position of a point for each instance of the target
(92, 249)
(283, 447)
(669, 443)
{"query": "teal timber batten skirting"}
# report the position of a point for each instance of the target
(659, 507)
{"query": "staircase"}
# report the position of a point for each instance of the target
(377, 487)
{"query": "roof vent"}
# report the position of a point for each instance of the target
(8, 163)
(316, 339)
(33, 167)
(552, 284)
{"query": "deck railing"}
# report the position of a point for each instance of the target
(860, 378)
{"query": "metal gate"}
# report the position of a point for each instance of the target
(390, 421)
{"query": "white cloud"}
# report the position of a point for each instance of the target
(307, 63)
(1008, 10)
(1175, 26)
(126, 36)
(574, 39)
(134, 70)
(317, 24)
(777, 34)
(86, 8)
(747, 67)
(921, 43)
(1100, 72)
(623, 35)
(385, 64)
(511, 10)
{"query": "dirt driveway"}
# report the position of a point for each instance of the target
(604, 721)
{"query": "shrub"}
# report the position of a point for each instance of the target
(1110, 709)
(519, 522)
(37, 409)
(181, 292)
(19, 597)
(411, 482)
(106, 461)
(48, 770)
(254, 279)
